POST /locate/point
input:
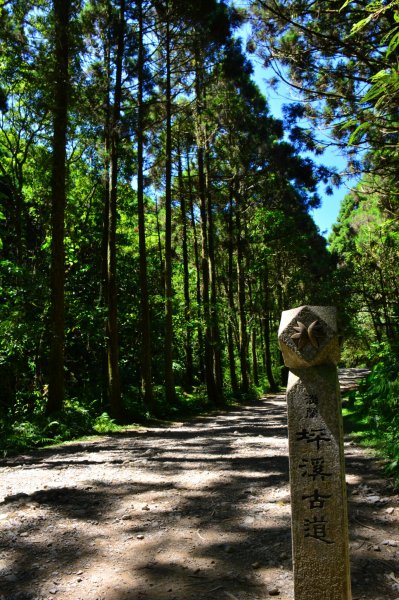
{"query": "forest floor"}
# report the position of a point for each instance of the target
(191, 511)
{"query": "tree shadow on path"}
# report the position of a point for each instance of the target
(192, 512)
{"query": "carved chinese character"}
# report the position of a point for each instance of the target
(317, 528)
(313, 467)
(312, 402)
(313, 435)
(312, 399)
(316, 500)
(312, 411)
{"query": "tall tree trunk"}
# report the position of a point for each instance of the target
(268, 358)
(58, 200)
(385, 308)
(241, 306)
(104, 277)
(114, 391)
(160, 253)
(208, 350)
(215, 335)
(230, 294)
(211, 384)
(146, 375)
(266, 331)
(255, 371)
(188, 382)
(106, 182)
(284, 371)
(18, 228)
(201, 368)
(168, 344)
(373, 314)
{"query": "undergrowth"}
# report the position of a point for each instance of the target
(372, 411)
(20, 431)
(19, 434)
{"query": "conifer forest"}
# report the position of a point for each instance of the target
(155, 216)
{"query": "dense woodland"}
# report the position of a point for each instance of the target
(154, 215)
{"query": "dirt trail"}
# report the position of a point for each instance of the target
(196, 511)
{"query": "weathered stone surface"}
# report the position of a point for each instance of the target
(317, 477)
(317, 345)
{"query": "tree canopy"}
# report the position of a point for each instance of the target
(154, 214)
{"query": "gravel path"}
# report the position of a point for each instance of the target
(194, 511)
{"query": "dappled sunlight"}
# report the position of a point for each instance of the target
(186, 505)
(186, 513)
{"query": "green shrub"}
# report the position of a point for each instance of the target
(104, 424)
(374, 407)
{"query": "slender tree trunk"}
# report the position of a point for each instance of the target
(374, 315)
(18, 227)
(231, 355)
(160, 253)
(266, 330)
(114, 391)
(230, 294)
(268, 359)
(188, 383)
(209, 357)
(214, 317)
(201, 368)
(211, 384)
(168, 344)
(262, 341)
(241, 307)
(58, 201)
(106, 182)
(255, 371)
(104, 283)
(284, 371)
(384, 302)
(146, 375)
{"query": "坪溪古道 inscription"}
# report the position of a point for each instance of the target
(309, 342)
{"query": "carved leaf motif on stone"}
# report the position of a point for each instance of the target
(307, 335)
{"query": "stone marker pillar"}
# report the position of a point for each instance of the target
(309, 342)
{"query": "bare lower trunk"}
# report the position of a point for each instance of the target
(232, 308)
(242, 308)
(58, 193)
(146, 375)
(209, 361)
(114, 391)
(266, 332)
(208, 349)
(168, 344)
(213, 313)
(188, 379)
(201, 368)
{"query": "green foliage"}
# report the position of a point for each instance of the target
(186, 405)
(39, 430)
(104, 424)
(240, 206)
(341, 57)
(384, 84)
(20, 436)
(75, 420)
(366, 243)
(373, 410)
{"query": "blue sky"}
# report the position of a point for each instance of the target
(327, 214)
